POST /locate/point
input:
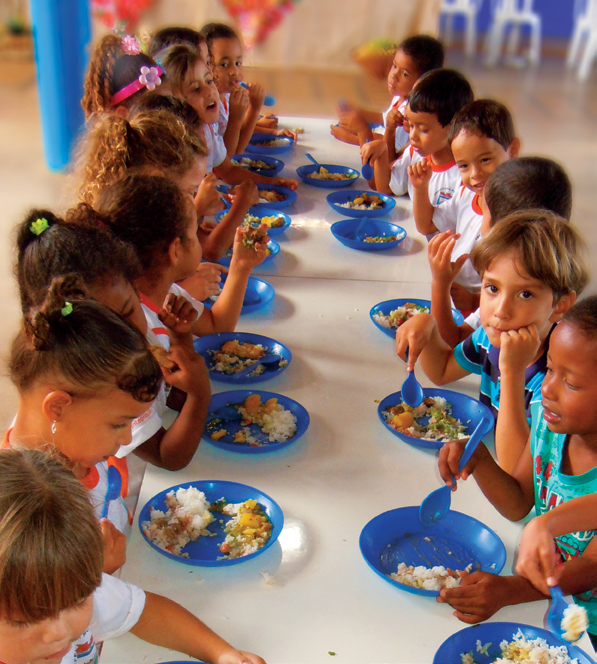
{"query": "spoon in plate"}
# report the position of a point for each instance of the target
(266, 359)
(435, 507)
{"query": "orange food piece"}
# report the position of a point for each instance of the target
(252, 403)
(404, 420)
(270, 405)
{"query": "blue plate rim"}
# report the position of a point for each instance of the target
(199, 562)
(250, 308)
(266, 211)
(368, 246)
(247, 449)
(389, 201)
(391, 332)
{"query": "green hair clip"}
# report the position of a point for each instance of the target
(67, 309)
(39, 226)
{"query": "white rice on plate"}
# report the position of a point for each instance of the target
(429, 578)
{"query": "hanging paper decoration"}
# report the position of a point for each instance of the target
(119, 12)
(257, 18)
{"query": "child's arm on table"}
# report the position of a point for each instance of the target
(216, 243)
(232, 174)
(225, 312)
(238, 105)
(377, 152)
(537, 557)
(255, 96)
(174, 448)
(420, 335)
(268, 121)
(443, 273)
(208, 199)
(419, 175)
(165, 623)
(518, 348)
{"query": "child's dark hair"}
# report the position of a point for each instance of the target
(212, 31)
(548, 249)
(77, 245)
(82, 347)
(110, 70)
(484, 117)
(173, 35)
(583, 315)
(156, 102)
(426, 52)
(114, 145)
(149, 212)
(51, 546)
(442, 92)
(528, 183)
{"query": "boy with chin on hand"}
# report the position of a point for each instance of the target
(532, 269)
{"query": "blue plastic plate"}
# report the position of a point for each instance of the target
(205, 550)
(262, 149)
(277, 164)
(232, 426)
(344, 232)
(464, 408)
(495, 632)
(304, 171)
(336, 197)
(290, 196)
(258, 294)
(264, 211)
(273, 246)
(389, 305)
(215, 341)
(397, 536)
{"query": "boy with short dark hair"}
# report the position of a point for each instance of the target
(432, 104)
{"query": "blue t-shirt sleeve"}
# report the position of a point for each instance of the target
(467, 353)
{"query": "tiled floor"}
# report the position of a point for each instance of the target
(555, 116)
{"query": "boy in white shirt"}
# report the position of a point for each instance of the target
(481, 137)
(432, 104)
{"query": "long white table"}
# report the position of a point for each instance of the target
(347, 469)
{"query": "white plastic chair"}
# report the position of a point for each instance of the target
(468, 9)
(515, 13)
(583, 45)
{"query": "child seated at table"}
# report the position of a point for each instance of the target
(414, 57)
(55, 603)
(432, 104)
(532, 269)
(523, 183)
(557, 465)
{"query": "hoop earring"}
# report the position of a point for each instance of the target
(53, 429)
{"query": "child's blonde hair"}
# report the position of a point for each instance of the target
(114, 145)
(178, 61)
(549, 249)
(51, 546)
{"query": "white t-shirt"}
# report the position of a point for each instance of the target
(474, 320)
(462, 214)
(445, 180)
(224, 106)
(402, 137)
(215, 146)
(151, 314)
(117, 607)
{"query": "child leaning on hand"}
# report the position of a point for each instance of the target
(532, 269)
(558, 465)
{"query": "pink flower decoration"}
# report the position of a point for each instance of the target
(150, 77)
(130, 45)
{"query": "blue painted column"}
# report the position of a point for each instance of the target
(61, 30)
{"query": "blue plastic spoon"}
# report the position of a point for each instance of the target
(367, 170)
(114, 488)
(224, 413)
(312, 159)
(411, 390)
(435, 507)
(268, 101)
(266, 359)
(556, 612)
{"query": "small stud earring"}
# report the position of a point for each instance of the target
(53, 429)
